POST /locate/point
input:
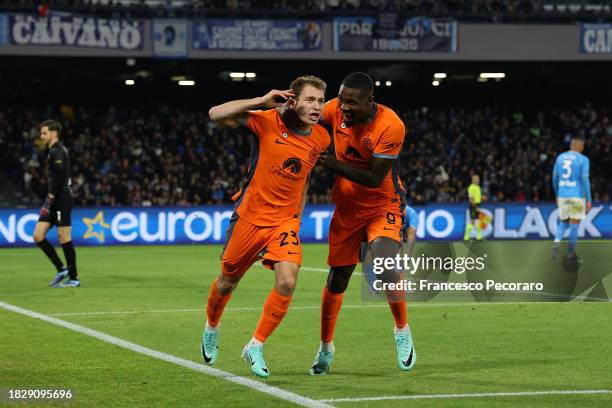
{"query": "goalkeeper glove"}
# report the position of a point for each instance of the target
(44, 211)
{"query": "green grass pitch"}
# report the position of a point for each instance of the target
(462, 349)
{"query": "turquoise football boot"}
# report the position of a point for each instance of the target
(253, 354)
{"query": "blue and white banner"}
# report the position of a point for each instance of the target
(256, 35)
(207, 224)
(596, 38)
(392, 32)
(170, 38)
(76, 31)
(4, 28)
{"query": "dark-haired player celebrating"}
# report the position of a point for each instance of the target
(57, 208)
(370, 206)
(286, 142)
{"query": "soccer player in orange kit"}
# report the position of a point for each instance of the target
(286, 142)
(370, 206)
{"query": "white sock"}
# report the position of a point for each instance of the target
(327, 347)
(211, 328)
(254, 342)
(403, 330)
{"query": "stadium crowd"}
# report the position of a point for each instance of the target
(175, 156)
(497, 10)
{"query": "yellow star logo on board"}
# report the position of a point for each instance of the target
(95, 226)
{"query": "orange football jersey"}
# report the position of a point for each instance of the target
(383, 137)
(278, 170)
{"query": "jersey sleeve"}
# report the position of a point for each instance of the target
(586, 167)
(325, 139)
(586, 183)
(390, 143)
(256, 122)
(57, 164)
(329, 109)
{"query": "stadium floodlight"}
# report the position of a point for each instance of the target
(377, 83)
(250, 75)
(388, 83)
(492, 75)
(130, 82)
(435, 83)
(440, 75)
(186, 82)
(237, 75)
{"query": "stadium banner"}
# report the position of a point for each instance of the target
(76, 31)
(169, 38)
(394, 33)
(256, 35)
(596, 38)
(4, 28)
(207, 224)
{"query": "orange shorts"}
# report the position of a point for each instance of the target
(349, 228)
(246, 243)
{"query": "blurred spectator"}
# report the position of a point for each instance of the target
(487, 10)
(178, 157)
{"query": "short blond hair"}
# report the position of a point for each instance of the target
(299, 83)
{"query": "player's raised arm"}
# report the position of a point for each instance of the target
(236, 110)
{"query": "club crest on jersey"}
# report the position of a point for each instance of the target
(313, 155)
(366, 143)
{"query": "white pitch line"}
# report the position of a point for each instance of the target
(306, 307)
(246, 382)
(476, 395)
(229, 309)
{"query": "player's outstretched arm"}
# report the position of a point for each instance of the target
(371, 177)
(233, 109)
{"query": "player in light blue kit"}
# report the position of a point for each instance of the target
(409, 231)
(573, 190)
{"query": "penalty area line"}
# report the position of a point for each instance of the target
(475, 395)
(213, 372)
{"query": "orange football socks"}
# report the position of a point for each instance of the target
(330, 308)
(274, 310)
(400, 313)
(216, 304)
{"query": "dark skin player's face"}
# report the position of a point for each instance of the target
(356, 105)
